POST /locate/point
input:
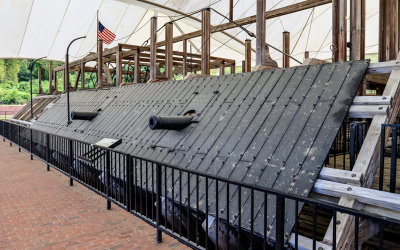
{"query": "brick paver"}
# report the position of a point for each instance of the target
(40, 210)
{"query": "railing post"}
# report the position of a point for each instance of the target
(352, 144)
(393, 160)
(4, 132)
(70, 161)
(19, 138)
(158, 202)
(30, 143)
(280, 223)
(382, 157)
(128, 183)
(48, 151)
(108, 179)
(9, 134)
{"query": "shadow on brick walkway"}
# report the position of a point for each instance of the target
(40, 210)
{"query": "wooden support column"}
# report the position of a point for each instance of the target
(168, 50)
(83, 84)
(118, 62)
(243, 66)
(286, 49)
(339, 30)
(231, 9)
(233, 67)
(306, 55)
(260, 30)
(40, 89)
(357, 29)
(184, 70)
(153, 48)
(55, 81)
(205, 42)
(247, 55)
(388, 30)
(342, 31)
(78, 75)
(51, 89)
(222, 68)
(100, 64)
(137, 66)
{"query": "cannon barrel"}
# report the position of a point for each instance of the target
(76, 115)
(169, 122)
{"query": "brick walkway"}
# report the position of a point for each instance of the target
(40, 210)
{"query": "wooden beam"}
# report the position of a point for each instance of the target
(340, 176)
(286, 49)
(118, 66)
(367, 111)
(205, 42)
(305, 243)
(260, 30)
(168, 50)
(304, 5)
(153, 48)
(247, 56)
(383, 67)
(100, 64)
(364, 195)
(357, 29)
(137, 67)
(372, 100)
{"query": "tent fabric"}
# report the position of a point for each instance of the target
(37, 28)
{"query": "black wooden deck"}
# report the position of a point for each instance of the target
(272, 128)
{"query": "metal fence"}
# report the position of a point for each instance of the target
(186, 204)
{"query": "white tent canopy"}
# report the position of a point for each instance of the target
(37, 28)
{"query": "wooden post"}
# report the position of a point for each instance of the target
(357, 29)
(153, 48)
(184, 71)
(306, 55)
(222, 68)
(78, 75)
(286, 49)
(55, 81)
(205, 42)
(388, 30)
(233, 67)
(231, 9)
(118, 66)
(168, 50)
(100, 64)
(51, 77)
(339, 30)
(137, 66)
(40, 89)
(83, 76)
(342, 31)
(65, 80)
(247, 55)
(243, 66)
(260, 30)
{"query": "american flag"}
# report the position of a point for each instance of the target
(106, 35)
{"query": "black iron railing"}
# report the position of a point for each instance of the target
(186, 204)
